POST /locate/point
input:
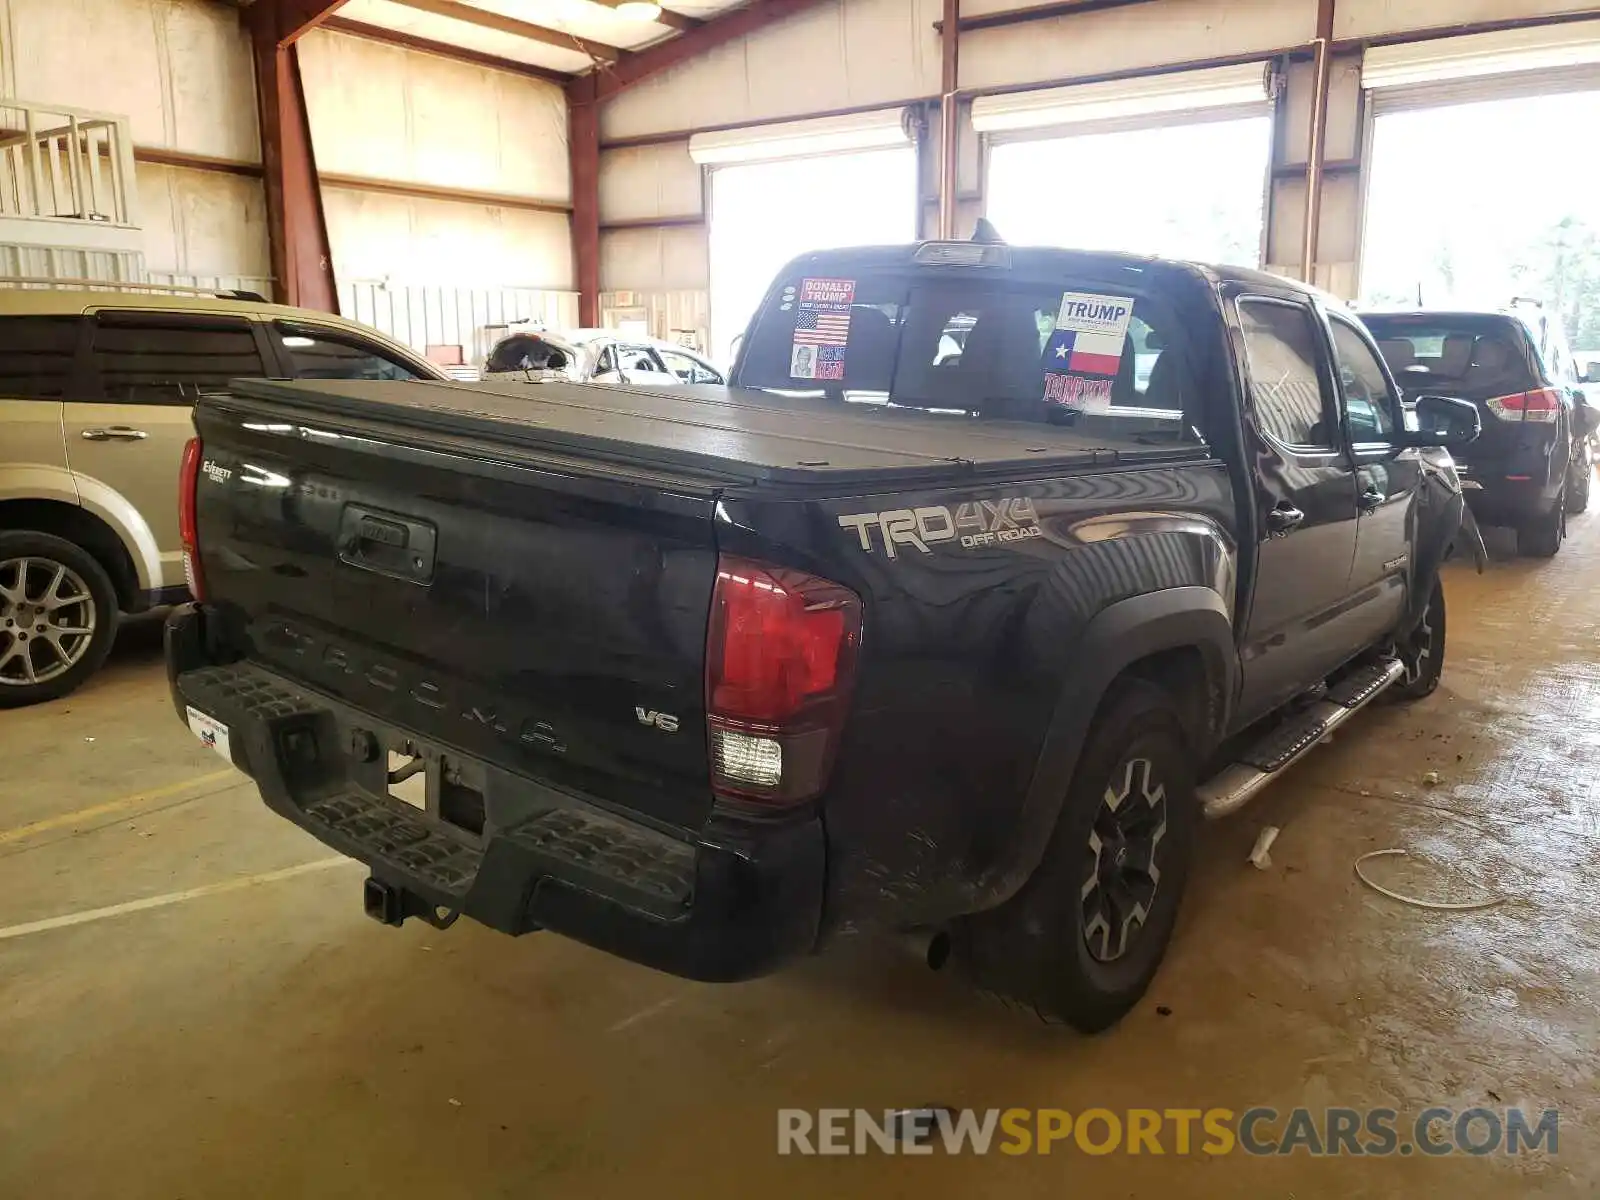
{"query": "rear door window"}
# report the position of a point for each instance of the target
(36, 356)
(161, 359)
(527, 352)
(688, 369)
(1282, 345)
(315, 353)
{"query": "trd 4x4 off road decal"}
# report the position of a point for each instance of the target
(975, 523)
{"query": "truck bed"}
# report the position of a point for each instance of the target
(721, 435)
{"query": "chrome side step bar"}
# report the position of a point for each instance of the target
(1237, 784)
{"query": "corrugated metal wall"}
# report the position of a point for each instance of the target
(472, 318)
(677, 316)
(180, 72)
(68, 262)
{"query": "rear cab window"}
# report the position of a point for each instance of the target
(1104, 358)
(1473, 355)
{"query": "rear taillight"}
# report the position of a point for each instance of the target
(188, 530)
(781, 653)
(1541, 404)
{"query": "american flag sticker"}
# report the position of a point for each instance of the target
(814, 327)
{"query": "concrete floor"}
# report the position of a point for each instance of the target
(268, 1040)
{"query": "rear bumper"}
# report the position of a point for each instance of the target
(1499, 493)
(733, 901)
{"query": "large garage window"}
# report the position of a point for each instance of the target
(1173, 165)
(1475, 204)
(764, 214)
(1181, 191)
(781, 190)
(1482, 188)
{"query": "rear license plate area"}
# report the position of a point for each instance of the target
(437, 782)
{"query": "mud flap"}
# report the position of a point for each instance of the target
(1445, 525)
(1470, 534)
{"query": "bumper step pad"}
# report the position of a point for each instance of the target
(630, 864)
(602, 851)
(410, 844)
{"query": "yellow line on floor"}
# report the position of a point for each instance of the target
(133, 800)
(133, 906)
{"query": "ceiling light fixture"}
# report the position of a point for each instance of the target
(638, 10)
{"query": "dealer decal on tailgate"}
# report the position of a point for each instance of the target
(211, 732)
(975, 524)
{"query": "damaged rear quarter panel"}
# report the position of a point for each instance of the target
(976, 598)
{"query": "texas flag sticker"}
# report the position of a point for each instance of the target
(1083, 353)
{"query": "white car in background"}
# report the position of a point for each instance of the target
(596, 356)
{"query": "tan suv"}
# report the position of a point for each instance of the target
(95, 393)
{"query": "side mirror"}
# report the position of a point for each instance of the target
(1591, 373)
(1444, 422)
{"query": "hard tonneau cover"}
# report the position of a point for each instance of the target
(734, 436)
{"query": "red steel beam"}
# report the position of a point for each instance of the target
(631, 69)
(583, 147)
(292, 19)
(1316, 149)
(302, 265)
(949, 134)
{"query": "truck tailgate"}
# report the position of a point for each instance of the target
(547, 622)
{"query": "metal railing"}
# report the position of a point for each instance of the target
(65, 163)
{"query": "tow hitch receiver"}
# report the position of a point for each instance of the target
(388, 904)
(383, 902)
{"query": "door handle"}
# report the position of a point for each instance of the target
(114, 433)
(1370, 499)
(1283, 518)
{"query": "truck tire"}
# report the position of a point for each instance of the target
(1542, 537)
(1082, 939)
(1422, 651)
(58, 617)
(1580, 480)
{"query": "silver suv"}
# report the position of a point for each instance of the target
(95, 393)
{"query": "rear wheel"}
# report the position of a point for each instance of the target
(1421, 652)
(1542, 537)
(58, 616)
(1580, 479)
(1082, 940)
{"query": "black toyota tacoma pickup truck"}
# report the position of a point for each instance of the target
(993, 572)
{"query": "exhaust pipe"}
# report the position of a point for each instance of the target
(930, 947)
